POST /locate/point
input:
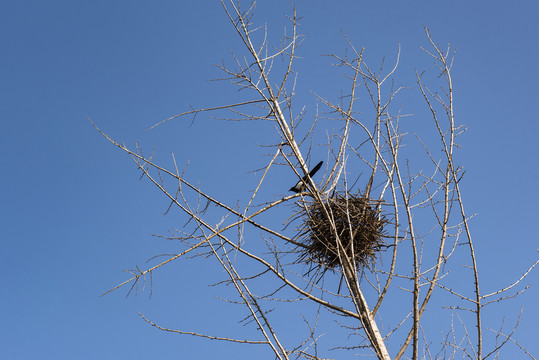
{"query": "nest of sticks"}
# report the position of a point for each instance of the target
(354, 221)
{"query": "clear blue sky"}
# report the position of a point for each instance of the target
(73, 213)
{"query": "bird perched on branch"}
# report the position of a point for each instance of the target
(302, 184)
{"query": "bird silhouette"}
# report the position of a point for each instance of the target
(302, 184)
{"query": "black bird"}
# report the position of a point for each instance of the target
(302, 184)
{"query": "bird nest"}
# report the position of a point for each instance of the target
(353, 224)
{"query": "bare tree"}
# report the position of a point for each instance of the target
(358, 249)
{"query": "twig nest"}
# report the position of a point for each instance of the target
(353, 224)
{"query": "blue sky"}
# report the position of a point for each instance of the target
(74, 214)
